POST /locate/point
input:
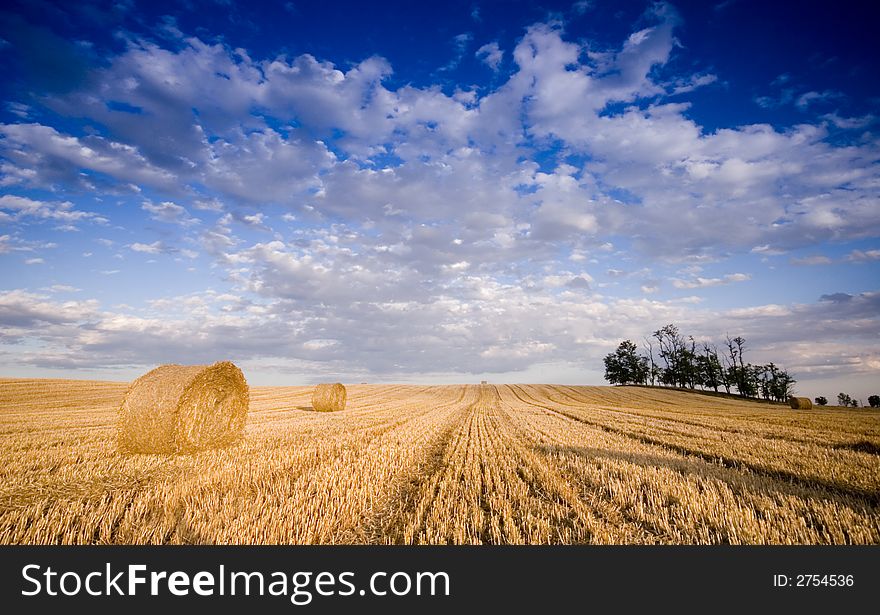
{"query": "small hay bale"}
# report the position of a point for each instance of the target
(800, 403)
(183, 409)
(329, 397)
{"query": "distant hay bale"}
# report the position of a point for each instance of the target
(183, 409)
(800, 403)
(329, 397)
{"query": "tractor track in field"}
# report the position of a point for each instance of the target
(868, 497)
(757, 429)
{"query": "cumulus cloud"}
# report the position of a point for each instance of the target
(148, 248)
(671, 169)
(263, 166)
(689, 84)
(16, 208)
(861, 256)
(423, 231)
(850, 123)
(463, 334)
(837, 298)
(40, 156)
(814, 98)
(22, 311)
(491, 55)
(169, 212)
(701, 282)
(816, 259)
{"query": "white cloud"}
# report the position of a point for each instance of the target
(208, 205)
(701, 282)
(850, 123)
(23, 312)
(670, 167)
(20, 109)
(767, 250)
(491, 55)
(169, 212)
(682, 86)
(148, 248)
(380, 334)
(20, 208)
(816, 259)
(263, 166)
(460, 44)
(40, 156)
(860, 256)
(812, 98)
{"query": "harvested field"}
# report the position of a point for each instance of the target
(483, 464)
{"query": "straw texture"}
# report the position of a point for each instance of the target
(184, 409)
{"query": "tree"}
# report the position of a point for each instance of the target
(783, 385)
(691, 365)
(653, 369)
(672, 351)
(740, 376)
(821, 401)
(874, 401)
(854, 403)
(624, 365)
(843, 399)
(726, 374)
(710, 367)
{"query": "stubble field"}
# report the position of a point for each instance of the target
(523, 464)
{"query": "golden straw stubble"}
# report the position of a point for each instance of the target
(329, 397)
(184, 409)
(501, 464)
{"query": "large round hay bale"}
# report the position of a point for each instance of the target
(329, 397)
(800, 403)
(183, 409)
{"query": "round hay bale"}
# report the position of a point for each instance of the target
(329, 397)
(183, 409)
(800, 403)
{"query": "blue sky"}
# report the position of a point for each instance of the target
(395, 192)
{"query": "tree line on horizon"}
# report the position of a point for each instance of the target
(668, 358)
(846, 400)
(687, 364)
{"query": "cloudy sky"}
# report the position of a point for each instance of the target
(388, 192)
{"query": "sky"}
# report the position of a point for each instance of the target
(437, 192)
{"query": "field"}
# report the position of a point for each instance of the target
(524, 464)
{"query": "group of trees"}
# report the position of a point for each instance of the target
(669, 358)
(845, 400)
